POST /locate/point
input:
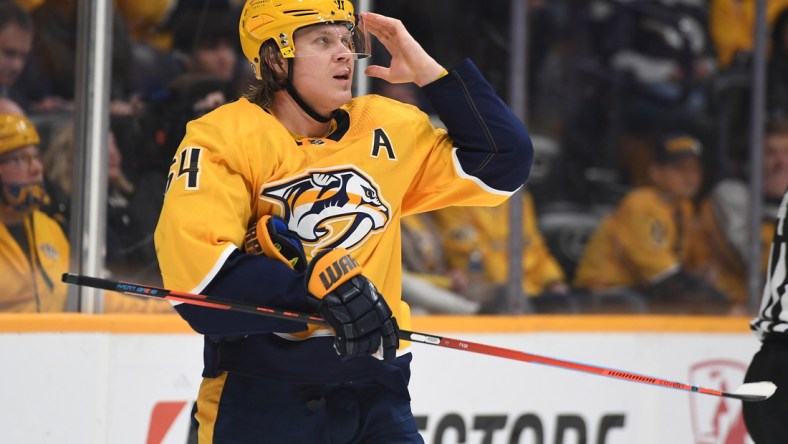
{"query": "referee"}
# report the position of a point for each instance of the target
(767, 421)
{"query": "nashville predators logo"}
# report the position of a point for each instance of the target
(330, 209)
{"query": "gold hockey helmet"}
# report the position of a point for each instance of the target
(263, 20)
(16, 131)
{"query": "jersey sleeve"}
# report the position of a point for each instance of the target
(203, 221)
(484, 156)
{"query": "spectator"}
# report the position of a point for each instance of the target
(206, 62)
(129, 252)
(49, 80)
(656, 56)
(664, 56)
(207, 46)
(477, 240)
(34, 251)
(16, 40)
(732, 24)
(723, 235)
(645, 245)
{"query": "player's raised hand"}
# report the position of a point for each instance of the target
(409, 61)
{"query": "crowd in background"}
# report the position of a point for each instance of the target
(638, 110)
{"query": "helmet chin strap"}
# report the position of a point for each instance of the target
(294, 94)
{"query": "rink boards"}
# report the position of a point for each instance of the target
(132, 379)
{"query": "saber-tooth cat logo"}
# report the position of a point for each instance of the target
(330, 208)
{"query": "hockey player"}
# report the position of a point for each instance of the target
(309, 174)
(33, 249)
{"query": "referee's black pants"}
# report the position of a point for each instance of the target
(767, 421)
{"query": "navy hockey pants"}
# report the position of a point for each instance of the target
(234, 408)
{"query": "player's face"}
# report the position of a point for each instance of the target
(680, 178)
(21, 166)
(775, 165)
(324, 66)
(15, 44)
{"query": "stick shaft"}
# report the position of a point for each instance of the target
(423, 338)
(190, 298)
(517, 355)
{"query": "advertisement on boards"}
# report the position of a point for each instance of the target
(140, 388)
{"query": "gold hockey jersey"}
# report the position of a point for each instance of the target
(239, 163)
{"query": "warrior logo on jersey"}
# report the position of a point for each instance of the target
(330, 208)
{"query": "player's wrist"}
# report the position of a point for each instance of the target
(430, 74)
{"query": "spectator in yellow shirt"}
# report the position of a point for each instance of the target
(477, 240)
(33, 250)
(646, 245)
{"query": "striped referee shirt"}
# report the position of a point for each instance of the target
(773, 315)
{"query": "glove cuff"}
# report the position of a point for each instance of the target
(259, 241)
(330, 269)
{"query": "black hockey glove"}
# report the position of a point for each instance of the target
(351, 304)
(270, 237)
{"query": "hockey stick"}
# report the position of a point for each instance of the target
(752, 391)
